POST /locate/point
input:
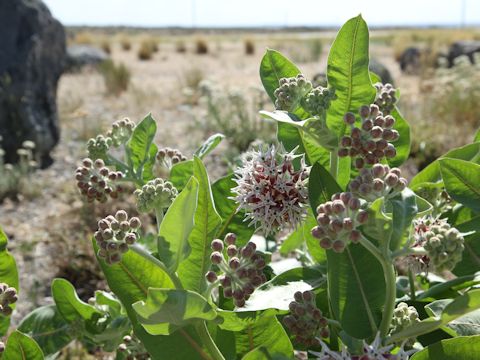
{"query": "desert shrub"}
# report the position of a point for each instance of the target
(116, 77)
(180, 46)
(249, 47)
(381, 272)
(145, 51)
(201, 46)
(84, 38)
(105, 45)
(125, 43)
(17, 179)
(316, 48)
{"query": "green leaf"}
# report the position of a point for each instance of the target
(461, 180)
(167, 310)
(176, 227)
(21, 347)
(348, 73)
(356, 287)
(68, 303)
(465, 325)
(48, 328)
(476, 138)
(402, 145)
(456, 284)
(181, 173)
(255, 329)
(273, 67)
(209, 145)
(458, 307)
(192, 270)
(321, 186)
(460, 348)
(129, 280)
(404, 210)
(232, 220)
(431, 174)
(262, 353)
(139, 147)
(471, 255)
(8, 275)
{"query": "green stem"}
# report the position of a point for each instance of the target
(161, 265)
(372, 248)
(334, 164)
(159, 215)
(208, 292)
(207, 340)
(408, 251)
(411, 280)
(391, 295)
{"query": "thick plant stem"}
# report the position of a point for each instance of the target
(334, 164)
(411, 280)
(207, 340)
(159, 216)
(391, 295)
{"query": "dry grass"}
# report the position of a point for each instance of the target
(116, 77)
(125, 43)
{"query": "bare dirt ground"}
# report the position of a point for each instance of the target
(49, 234)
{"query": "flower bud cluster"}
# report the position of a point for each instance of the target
(291, 91)
(155, 194)
(386, 97)
(242, 268)
(96, 181)
(306, 321)
(403, 317)
(270, 190)
(169, 157)
(378, 181)
(98, 147)
(115, 234)
(121, 131)
(338, 221)
(8, 296)
(443, 244)
(318, 100)
(133, 349)
(370, 142)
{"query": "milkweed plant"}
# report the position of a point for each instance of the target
(386, 268)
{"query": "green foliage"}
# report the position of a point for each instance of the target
(21, 347)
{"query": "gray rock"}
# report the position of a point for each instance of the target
(79, 56)
(381, 70)
(459, 48)
(410, 60)
(32, 59)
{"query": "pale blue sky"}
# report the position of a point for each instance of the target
(263, 12)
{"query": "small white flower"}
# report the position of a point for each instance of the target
(270, 190)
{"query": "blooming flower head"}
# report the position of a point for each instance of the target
(270, 190)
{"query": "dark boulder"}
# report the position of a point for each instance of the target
(79, 56)
(410, 60)
(32, 58)
(459, 48)
(381, 70)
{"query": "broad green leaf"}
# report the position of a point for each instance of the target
(262, 353)
(462, 179)
(139, 147)
(471, 254)
(402, 145)
(167, 310)
(321, 186)
(456, 284)
(49, 329)
(460, 348)
(176, 227)
(356, 288)
(431, 174)
(254, 329)
(192, 270)
(378, 226)
(68, 303)
(181, 173)
(273, 67)
(130, 280)
(209, 145)
(404, 210)
(150, 163)
(8, 275)
(465, 325)
(104, 298)
(348, 74)
(232, 220)
(21, 347)
(460, 306)
(476, 138)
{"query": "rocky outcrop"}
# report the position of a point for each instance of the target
(79, 56)
(32, 58)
